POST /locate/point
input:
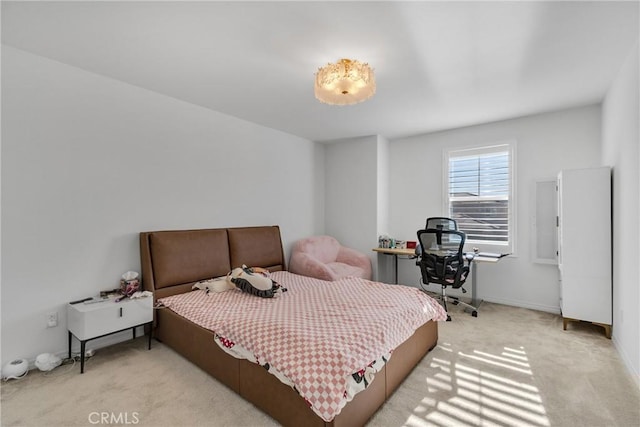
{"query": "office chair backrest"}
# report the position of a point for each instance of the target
(442, 257)
(442, 223)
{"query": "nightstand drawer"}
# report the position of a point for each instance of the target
(88, 321)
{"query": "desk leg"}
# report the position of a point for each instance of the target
(385, 277)
(82, 347)
(474, 285)
(395, 260)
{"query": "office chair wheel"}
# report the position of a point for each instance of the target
(474, 313)
(448, 318)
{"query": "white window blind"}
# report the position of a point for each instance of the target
(479, 193)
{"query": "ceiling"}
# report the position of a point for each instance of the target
(438, 65)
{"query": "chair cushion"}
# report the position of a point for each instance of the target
(323, 257)
(324, 248)
(344, 270)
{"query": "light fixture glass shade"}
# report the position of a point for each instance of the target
(345, 82)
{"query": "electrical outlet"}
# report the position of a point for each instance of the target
(52, 320)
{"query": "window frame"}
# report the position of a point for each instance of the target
(479, 149)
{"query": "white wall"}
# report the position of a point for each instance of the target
(383, 186)
(546, 143)
(89, 162)
(351, 193)
(381, 263)
(620, 137)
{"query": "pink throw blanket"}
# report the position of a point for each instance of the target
(318, 333)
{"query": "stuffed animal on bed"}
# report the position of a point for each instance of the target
(254, 281)
(218, 284)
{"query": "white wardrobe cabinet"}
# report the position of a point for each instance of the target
(584, 246)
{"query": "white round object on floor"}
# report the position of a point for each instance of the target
(15, 369)
(47, 361)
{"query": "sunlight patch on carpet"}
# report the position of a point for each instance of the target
(488, 389)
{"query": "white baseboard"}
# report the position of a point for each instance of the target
(627, 361)
(524, 304)
(515, 303)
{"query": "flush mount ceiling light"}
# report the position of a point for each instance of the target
(345, 82)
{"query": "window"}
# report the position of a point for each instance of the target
(479, 193)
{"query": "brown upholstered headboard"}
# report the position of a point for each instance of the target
(173, 260)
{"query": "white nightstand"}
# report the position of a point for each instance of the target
(91, 321)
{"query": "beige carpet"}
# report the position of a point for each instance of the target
(510, 366)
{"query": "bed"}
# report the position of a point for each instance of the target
(174, 260)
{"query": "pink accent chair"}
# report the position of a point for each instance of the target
(323, 257)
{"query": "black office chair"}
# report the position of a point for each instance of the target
(440, 222)
(442, 261)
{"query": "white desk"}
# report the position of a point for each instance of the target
(410, 254)
(474, 275)
(396, 252)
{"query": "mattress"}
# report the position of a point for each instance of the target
(325, 339)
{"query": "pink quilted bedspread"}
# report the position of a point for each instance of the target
(317, 333)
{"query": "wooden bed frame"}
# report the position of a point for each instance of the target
(173, 260)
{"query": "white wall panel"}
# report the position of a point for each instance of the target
(89, 162)
(351, 193)
(546, 143)
(621, 151)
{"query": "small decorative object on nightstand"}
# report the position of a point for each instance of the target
(91, 319)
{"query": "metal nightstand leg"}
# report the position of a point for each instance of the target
(150, 333)
(83, 344)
